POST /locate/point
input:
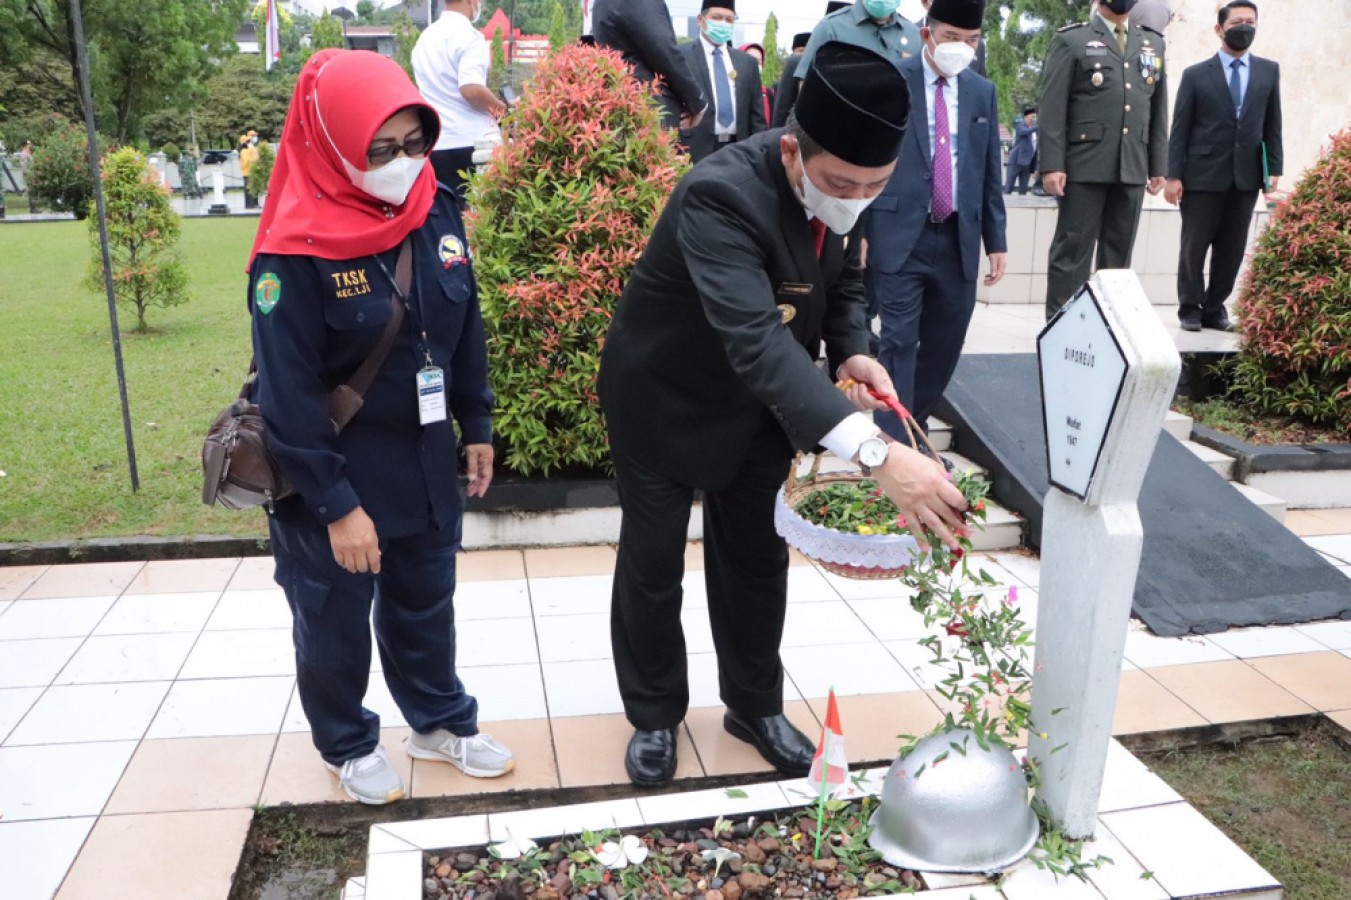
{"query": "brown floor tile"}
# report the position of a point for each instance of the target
(1311, 523)
(797, 559)
(694, 556)
(1342, 718)
(183, 855)
(14, 580)
(490, 565)
(1142, 704)
(552, 562)
(178, 576)
(194, 773)
(254, 574)
(83, 580)
(529, 741)
(591, 750)
(1229, 691)
(871, 722)
(1322, 680)
(1340, 518)
(297, 773)
(722, 754)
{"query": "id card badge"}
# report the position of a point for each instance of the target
(431, 395)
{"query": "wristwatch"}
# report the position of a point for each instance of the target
(872, 453)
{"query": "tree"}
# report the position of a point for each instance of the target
(558, 28)
(139, 62)
(261, 173)
(58, 176)
(365, 12)
(1018, 34)
(497, 69)
(328, 32)
(240, 97)
(405, 38)
(142, 231)
(773, 67)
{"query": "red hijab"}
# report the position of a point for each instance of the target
(342, 98)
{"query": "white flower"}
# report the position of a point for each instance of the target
(513, 847)
(718, 856)
(630, 851)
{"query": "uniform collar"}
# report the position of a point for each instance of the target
(860, 15)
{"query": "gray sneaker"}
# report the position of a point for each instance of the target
(479, 756)
(370, 779)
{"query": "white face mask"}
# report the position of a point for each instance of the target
(478, 14)
(838, 214)
(952, 58)
(391, 182)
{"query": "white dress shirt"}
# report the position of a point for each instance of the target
(1244, 71)
(449, 55)
(712, 80)
(931, 76)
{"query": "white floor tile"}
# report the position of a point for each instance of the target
(818, 624)
(294, 719)
(558, 820)
(574, 638)
(695, 590)
(134, 657)
(506, 692)
(1026, 882)
(975, 892)
(1129, 784)
(61, 780)
(859, 588)
(1027, 569)
(582, 688)
(34, 663)
(1274, 640)
(1123, 878)
(242, 654)
(158, 613)
(918, 661)
(807, 584)
(1335, 634)
(14, 705)
(508, 599)
(35, 856)
(571, 595)
(698, 630)
(81, 713)
(1338, 546)
(239, 610)
(437, 834)
(1188, 855)
(65, 617)
(1150, 651)
(381, 702)
(703, 679)
(682, 807)
(4, 605)
(850, 668)
(891, 618)
(488, 642)
(224, 706)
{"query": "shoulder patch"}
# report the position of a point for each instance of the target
(267, 292)
(1071, 26)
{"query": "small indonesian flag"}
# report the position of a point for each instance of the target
(272, 39)
(830, 767)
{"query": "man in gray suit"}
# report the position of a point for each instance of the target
(1226, 137)
(1023, 157)
(642, 33)
(730, 77)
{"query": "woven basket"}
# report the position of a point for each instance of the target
(868, 557)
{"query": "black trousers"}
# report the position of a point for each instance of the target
(1214, 222)
(450, 166)
(926, 309)
(745, 570)
(413, 597)
(1020, 174)
(1107, 215)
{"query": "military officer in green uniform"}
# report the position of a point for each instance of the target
(1104, 141)
(874, 24)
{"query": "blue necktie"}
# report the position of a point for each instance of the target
(723, 87)
(1236, 85)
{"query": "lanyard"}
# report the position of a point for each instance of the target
(418, 315)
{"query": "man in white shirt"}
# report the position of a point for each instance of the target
(450, 64)
(729, 77)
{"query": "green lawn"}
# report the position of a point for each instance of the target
(61, 441)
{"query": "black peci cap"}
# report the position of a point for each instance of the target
(1030, 111)
(720, 4)
(837, 5)
(967, 14)
(855, 104)
(801, 39)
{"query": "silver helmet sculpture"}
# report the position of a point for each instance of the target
(967, 811)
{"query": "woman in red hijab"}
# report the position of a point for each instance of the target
(353, 211)
(766, 94)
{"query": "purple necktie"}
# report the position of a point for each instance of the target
(941, 203)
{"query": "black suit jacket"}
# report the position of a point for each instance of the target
(750, 105)
(699, 360)
(1211, 149)
(641, 31)
(786, 94)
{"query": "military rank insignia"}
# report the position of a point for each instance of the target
(788, 311)
(451, 252)
(267, 292)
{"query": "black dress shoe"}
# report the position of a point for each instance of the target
(1191, 323)
(1218, 323)
(778, 740)
(651, 757)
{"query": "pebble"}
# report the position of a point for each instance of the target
(608, 892)
(546, 892)
(753, 854)
(752, 881)
(741, 830)
(793, 890)
(769, 870)
(443, 870)
(465, 861)
(668, 843)
(717, 883)
(733, 864)
(825, 865)
(713, 895)
(707, 844)
(476, 876)
(911, 880)
(768, 844)
(562, 883)
(873, 879)
(731, 891)
(834, 882)
(891, 873)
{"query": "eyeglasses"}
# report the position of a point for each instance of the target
(385, 151)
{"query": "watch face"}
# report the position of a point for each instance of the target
(872, 453)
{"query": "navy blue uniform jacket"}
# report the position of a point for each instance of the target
(898, 214)
(327, 317)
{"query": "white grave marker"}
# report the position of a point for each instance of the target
(1109, 369)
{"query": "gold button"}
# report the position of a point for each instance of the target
(1125, 131)
(1128, 107)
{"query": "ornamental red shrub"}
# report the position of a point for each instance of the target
(1294, 306)
(558, 219)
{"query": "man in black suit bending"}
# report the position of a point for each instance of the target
(642, 33)
(730, 77)
(709, 381)
(1225, 146)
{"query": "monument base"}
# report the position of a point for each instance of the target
(218, 209)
